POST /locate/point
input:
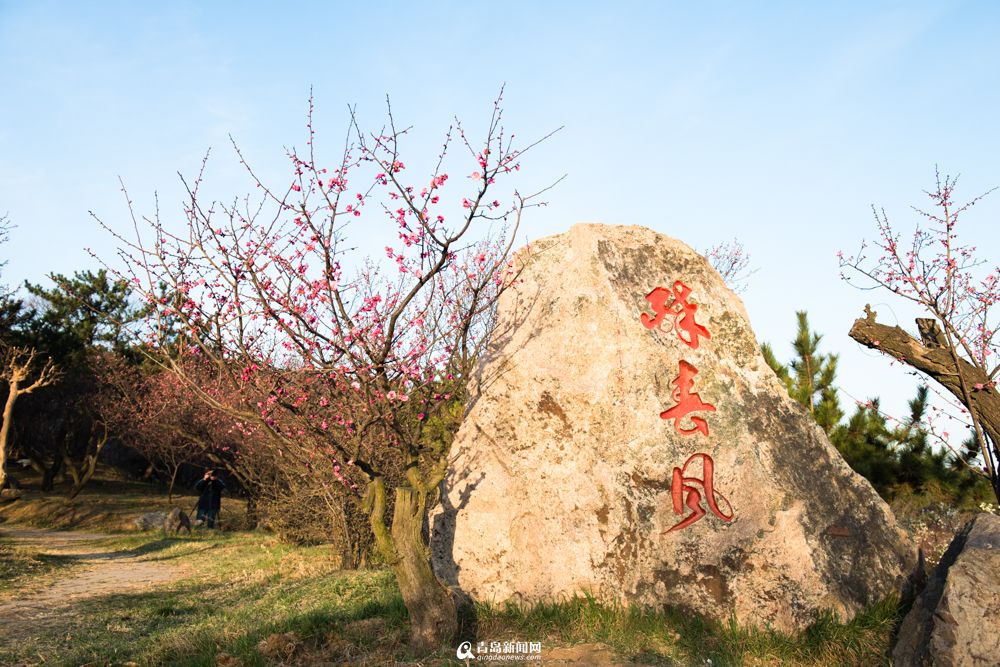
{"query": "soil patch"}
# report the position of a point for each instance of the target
(101, 572)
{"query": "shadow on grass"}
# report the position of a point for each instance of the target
(55, 560)
(18, 566)
(166, 543)
(191, 622)
(156, 546)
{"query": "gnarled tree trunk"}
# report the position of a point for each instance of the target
(89, 464)
(48, 472)
(16, 369)
(8, 417)
(433, 616)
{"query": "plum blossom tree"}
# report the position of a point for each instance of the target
(958, 343)
(151, 412)
(335, 356)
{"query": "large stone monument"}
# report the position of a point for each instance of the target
(627, 440)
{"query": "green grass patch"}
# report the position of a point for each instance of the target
(238, 590)
(671, 637)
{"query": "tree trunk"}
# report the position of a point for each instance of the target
(8, 415)
(83, 478)
(251, 511)
(88, 467)
(70, 467)
(49, 474)
(173, 478)
(936, 361)
(433, 616)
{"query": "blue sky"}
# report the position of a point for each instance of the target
(775, 123)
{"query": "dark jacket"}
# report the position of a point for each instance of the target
(211, 494)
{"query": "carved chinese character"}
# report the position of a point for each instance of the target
(664, 302)
(687, 401)
(686, 490)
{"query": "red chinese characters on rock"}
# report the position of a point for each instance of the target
(687, 401)
(664, 302)
(688, 490)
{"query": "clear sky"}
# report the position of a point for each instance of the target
(777, 123)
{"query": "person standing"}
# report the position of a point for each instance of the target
(210, 501)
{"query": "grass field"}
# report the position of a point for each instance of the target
(245, 598)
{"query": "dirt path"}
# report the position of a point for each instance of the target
(100, 572)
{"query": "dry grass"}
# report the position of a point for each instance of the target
(932, 522)
(109, 504)
(22, 568)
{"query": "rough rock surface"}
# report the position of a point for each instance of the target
(150, 520)
(956, 619)
(563, 474)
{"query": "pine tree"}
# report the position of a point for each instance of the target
(85, 310)
(865, 442)
(810, 377)
(924, 469)
(779, 369)
(918, 463)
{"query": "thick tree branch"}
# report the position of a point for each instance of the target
(935, 362)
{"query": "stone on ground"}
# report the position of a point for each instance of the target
(9, 495)
(956, 619)
(563, 481)
(150, 520)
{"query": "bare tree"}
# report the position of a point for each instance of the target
(21, 371)
(732, 261)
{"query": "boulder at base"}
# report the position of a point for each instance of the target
(956, 619)
(567, 479)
